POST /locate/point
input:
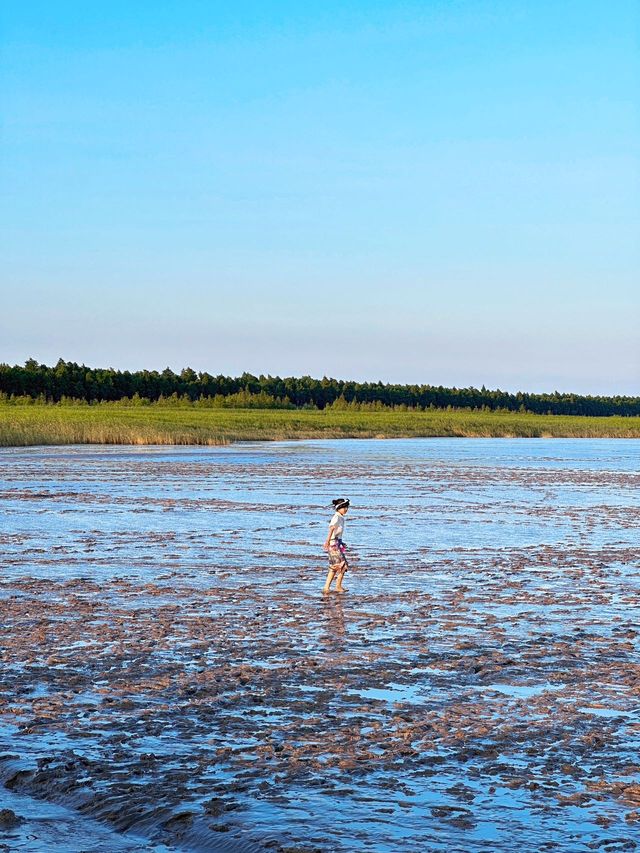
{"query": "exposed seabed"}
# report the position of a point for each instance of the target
(172, 677)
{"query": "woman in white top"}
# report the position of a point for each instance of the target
(335, 546)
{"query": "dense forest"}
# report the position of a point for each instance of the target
(68, 380)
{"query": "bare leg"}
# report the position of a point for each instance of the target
(330, 575)
(340, 575)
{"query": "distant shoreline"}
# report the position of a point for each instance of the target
(23, 426)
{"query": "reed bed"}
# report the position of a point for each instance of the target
(104, 424)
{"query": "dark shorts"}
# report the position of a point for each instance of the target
(337, 558)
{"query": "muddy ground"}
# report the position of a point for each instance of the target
(179, 682)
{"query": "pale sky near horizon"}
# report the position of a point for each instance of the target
(437, 192)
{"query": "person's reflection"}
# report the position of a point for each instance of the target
(334, 610)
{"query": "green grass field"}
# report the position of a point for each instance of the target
(105, 424)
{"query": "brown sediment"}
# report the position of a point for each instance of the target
(462, 700)
(161, 715)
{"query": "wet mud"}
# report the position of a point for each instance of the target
(172, 679)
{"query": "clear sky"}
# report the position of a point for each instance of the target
(438, 192)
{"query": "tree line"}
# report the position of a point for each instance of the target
(68, 380)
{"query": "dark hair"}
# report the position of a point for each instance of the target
(338, 503)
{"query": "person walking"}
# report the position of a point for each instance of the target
(335, 546)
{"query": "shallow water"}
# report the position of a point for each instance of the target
(170, 670)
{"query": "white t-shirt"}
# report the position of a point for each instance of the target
(337, 522)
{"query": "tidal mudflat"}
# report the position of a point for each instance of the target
(172, 679)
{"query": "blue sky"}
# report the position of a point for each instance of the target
(442, 192)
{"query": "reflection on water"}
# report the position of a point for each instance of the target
(170, 668)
